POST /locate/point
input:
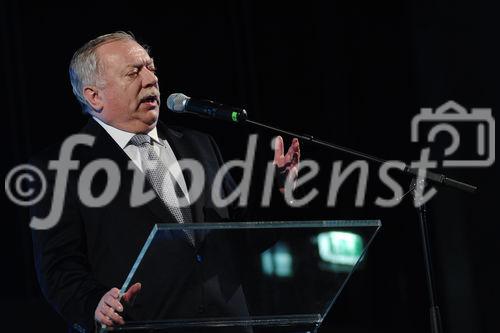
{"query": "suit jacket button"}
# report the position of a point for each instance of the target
(201, 309)
(79, 328)
(199, 258)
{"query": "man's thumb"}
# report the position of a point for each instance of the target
(132, 291)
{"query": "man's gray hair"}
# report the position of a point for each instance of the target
(84, 69)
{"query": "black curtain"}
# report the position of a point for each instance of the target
(351, 72)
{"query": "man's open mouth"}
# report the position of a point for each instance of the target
(153, 99)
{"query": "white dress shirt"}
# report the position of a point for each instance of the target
(161, 147)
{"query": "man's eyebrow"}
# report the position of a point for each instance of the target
(142, 64)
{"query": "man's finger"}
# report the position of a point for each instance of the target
(296, 152)
(113, 303)
(294, 174)
(109, 312)
(115, 317)
(278, 149)
(101, 318)
(289, 156)
(115, 293)
(293, 152)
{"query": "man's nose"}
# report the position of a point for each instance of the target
(148, 78)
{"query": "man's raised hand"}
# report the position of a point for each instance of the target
(287, 164)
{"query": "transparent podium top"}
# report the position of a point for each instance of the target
(245, 276)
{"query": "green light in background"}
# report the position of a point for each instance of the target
(340, 248)
(234, 116)
(277, 261)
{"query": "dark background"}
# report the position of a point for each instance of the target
(349, 72)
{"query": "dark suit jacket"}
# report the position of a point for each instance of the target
(91, 250)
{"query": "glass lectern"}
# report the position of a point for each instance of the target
(243, 277)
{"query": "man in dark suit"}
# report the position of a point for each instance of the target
(83, 258)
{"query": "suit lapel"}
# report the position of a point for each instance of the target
(182, 150)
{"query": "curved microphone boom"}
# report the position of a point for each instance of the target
(209, 109)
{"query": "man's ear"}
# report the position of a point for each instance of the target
(93, 97)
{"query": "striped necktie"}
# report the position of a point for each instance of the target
(163, 182)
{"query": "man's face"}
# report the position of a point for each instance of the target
(129, 95)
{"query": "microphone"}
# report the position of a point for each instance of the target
(208, 109)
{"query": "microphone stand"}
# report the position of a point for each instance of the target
(417, 186)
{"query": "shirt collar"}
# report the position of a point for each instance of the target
(122, 138)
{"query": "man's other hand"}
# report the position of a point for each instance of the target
(109, 306)
(288, 164)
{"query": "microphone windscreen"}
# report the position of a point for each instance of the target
(177, 102)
